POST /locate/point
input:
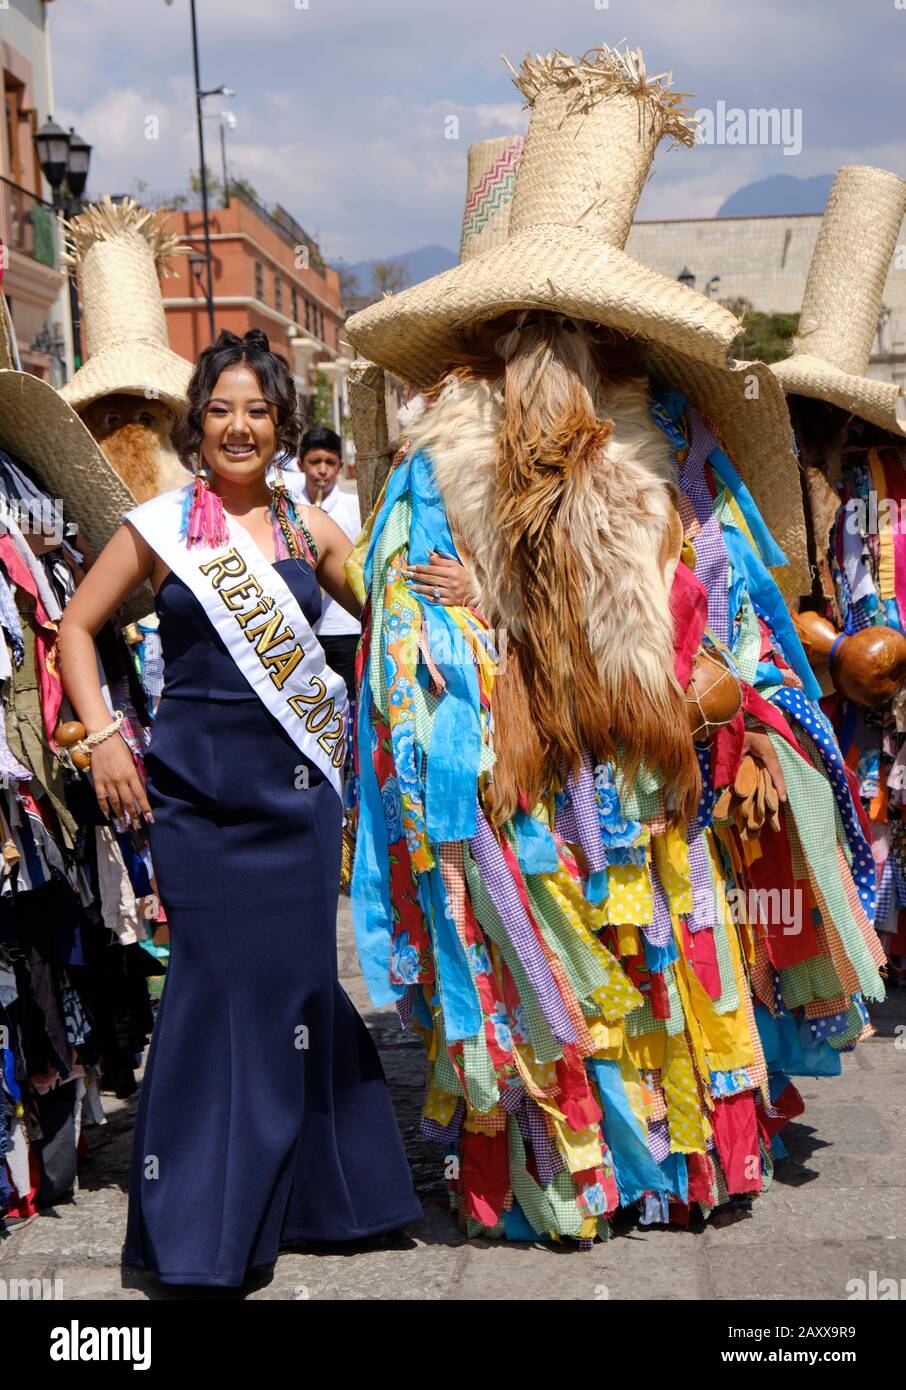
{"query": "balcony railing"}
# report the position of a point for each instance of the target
(27, 224)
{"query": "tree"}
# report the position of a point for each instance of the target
(349, 283)
(242, 188)
(765, 337)
(388, 277)
(322, 403)
(215, 186)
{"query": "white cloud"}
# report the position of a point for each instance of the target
(341, 106)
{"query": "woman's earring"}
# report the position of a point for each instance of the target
(203, 518)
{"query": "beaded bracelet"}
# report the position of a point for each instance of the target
(78, 743)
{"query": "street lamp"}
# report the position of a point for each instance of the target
(712, 285)
(52, 145)
(64, 160)
(686, 278)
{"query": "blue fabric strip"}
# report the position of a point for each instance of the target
(765, 595)
(770, 552)
(372, 913)
(676, 1175)
(634, 1168)
(455, 748)
(597, 888)
(536, 848)
(458, 993)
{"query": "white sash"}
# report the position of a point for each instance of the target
(262, 626)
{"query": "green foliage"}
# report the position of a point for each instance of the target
(765, 337)
(241, 186)
(322, 403)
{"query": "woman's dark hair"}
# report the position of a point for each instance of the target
(274, 378)
(321, 438)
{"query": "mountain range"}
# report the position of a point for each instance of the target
(780, 195)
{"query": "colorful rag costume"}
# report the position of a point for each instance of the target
(603, 1022)
(853, 444)
(867, 558)
(614, 990)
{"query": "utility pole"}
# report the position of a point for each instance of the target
(204, 173)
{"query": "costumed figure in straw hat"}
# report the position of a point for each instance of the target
(851, 430)
(567, 804)
(74, 1010)
(132, 388)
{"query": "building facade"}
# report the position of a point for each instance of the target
(268, 273)
(765, 260)
(34, 285)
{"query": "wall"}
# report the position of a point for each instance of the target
(765, 260)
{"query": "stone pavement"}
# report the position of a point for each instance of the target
(837, 1209)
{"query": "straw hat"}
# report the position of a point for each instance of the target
(593, 130)
(490, 184)
(120, 250)
(40, 430)
(842, 299)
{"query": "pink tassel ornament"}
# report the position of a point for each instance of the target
(203, 518)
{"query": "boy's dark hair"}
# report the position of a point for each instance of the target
(274, 378)
(320, 437)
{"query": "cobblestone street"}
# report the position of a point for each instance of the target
(837, 1209)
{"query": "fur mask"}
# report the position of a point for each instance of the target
(563, 491)
(134, 435)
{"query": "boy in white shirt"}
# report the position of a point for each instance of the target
(320, 461)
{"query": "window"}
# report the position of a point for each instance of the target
(259, 280)
(278, 292)
(295, 303)
(308, 315)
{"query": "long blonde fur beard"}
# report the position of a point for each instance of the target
(141, 453)
(561, 489)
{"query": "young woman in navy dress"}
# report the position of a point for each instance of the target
(264, 1114)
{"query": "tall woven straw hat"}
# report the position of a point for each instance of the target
(40, 430)
(593, 130)
(119, 249)
(490, 184)
(842, 299)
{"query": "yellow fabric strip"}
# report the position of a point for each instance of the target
(689, 1129)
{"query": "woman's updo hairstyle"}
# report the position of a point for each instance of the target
(274, 378)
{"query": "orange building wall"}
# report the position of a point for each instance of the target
(239, 238)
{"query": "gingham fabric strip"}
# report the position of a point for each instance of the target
(577, 819)
(504, 894)
(544, 1045)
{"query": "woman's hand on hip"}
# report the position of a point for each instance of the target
(117, 784)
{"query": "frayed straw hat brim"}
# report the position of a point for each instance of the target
(132, 368)
(40, 429)
(864, 397)
(560, 269)
(565, 270)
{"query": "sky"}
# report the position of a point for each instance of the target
(344, 107)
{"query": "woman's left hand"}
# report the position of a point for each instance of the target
(444, 581)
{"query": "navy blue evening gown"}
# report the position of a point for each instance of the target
(264, 1113)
